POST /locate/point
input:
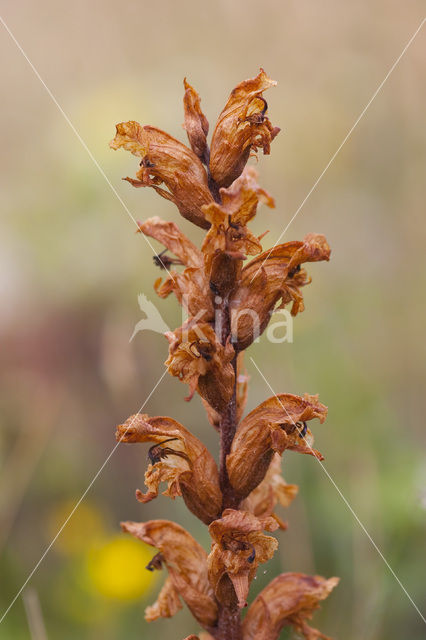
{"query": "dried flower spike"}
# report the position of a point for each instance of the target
(229, 304)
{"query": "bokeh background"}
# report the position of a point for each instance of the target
(72, 266)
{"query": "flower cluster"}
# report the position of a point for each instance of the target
(229, 289)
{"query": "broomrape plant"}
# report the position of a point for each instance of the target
(229, 304)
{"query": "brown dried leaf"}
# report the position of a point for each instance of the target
(242, 128)
(186, 562)
(289, 599)
(274, 426)
(180, 459)
(166, 160)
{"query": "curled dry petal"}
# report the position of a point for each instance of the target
(180, 459)
(169, 234)
(239, 546)
(271, 491)
(275, 425)
(228, 232)
(273, 276)
(166, 160)
(186, 562)
(289, 599)
(167, 604)
(242, 128)
(197, 357)
(196, 123)
(192, 290)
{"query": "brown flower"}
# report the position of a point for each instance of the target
(197, 357)
(239, 546)
(272, 276)
(271, 491)
(196, 123)
(179, 459)
(166, 160)
(242, 128)
(228, 232)
(277, 424)
(186, 562)
(289, 599)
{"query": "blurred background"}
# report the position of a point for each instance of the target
(72, 267)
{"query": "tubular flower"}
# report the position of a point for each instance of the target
(289, 599)
(239, 546)
(196, 123)
(277, 424)
(166, 160)
(241, 128)
(270, 277)
(186, 562)
(179, 459)
(271, 491)
(198, 358)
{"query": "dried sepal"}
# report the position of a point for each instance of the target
(241, 129)
(179, 459)
(197, 357)
(271, 491)
(274, 426)
(273, 277)
(228, 232)
(238, 547)
(196, 123)
(167, 604)
(165, 160)
(289, 599)
(186, 562)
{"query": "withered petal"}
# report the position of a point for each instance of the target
(169, 234)
(186, 465)
(166, 160)
(167, 604)
(271, 491)
(272, 276)
(241, 128)
(271, 427)
(288, 600)
(228, 232)
(196, 123)
(186, 562)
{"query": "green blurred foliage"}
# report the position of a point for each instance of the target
(72, 268)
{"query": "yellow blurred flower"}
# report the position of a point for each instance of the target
(116, 569)
(83, 528)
